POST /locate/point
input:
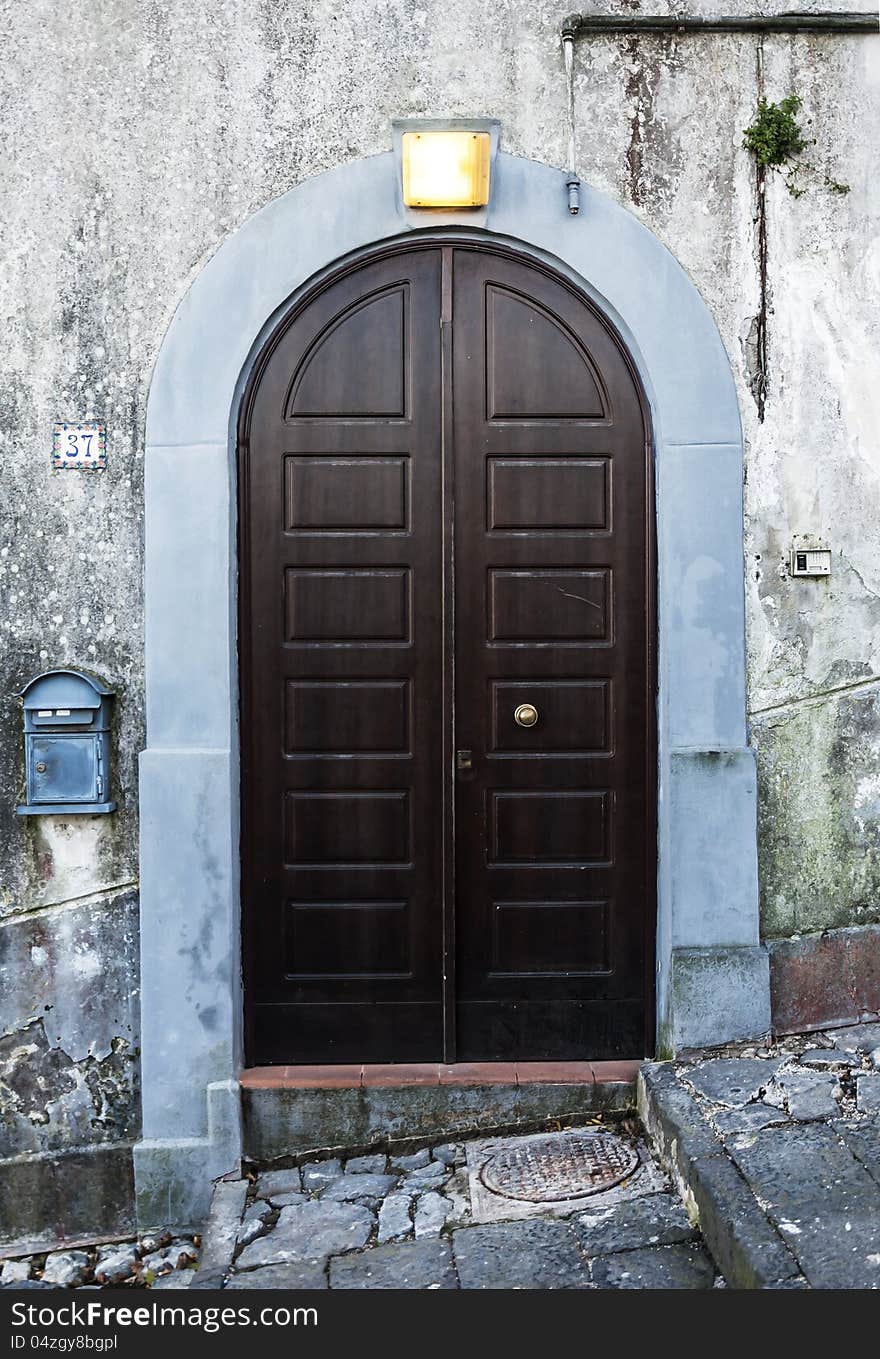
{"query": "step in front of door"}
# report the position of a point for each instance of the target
(290, 1111)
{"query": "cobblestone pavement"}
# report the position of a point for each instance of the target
(778, 1149)
(159, 1260)
(775, 1150)
(414, 1221)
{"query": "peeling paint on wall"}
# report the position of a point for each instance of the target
(69, 1026)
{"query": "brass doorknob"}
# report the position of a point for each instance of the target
(526, 715)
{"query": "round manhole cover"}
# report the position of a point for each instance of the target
(559, 1166)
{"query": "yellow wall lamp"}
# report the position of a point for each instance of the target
(445, 165)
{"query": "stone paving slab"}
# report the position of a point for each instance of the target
(318, 1174)
(273, 1182)
(656, 1219)
(530, 1254)
(221, 1229)
(823, 1058)
(750, 1118)
(677, 1128)
(312, 1231)
(747, 1248)
(286, 1200)
(857, 1038)
(349, 1188)
(302, 1274)
(371, 1165)
(655, 1267)
(863, 1139)
(868, 1092)
(395, 1217)
(810, 1094)
(431, 1213)
(732, 1082)
(415, 1264)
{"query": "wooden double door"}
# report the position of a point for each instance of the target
(447, 707)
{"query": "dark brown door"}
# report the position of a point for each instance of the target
(447, 795)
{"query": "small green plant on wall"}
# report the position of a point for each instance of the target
(776, 139)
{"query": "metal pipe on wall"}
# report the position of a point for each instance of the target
(572, 183)
(576, 25)
(848, 21)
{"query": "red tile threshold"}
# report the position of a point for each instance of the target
(432, 1073)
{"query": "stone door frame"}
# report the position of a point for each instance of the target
(712, 978)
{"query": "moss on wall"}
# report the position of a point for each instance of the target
(819, 814)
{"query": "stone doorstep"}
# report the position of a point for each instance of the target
(401, 1075)
(356, 1109)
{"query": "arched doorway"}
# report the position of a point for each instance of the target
(712, 981)
(446, 614)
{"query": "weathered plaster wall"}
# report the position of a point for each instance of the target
(136, 134)
(814, 467)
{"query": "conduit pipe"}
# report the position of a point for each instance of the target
(577, 25)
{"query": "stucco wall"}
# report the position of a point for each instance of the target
(136, 135)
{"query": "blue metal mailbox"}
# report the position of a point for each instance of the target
(67, 744)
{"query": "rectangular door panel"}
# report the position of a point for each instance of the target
(341, 828)
(574, 717)
(570, 495)
(347, 605)
(549, 827)
(559, 1028)
(562, 938)
(548, 607)
(346, 495)
(354, 718)
(355, 939)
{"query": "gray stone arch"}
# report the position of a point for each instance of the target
(712, 980)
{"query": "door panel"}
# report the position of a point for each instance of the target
(346, 495)
(444, 515)
(536, 368)
(550, 536)
(567, 494)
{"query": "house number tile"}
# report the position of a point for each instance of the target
(80, 448)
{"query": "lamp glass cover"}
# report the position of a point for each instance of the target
(445, 169)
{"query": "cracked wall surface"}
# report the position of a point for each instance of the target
(168, 125)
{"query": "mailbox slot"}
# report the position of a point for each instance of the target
(64, 717)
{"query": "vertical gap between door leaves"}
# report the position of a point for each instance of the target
(448, 676)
